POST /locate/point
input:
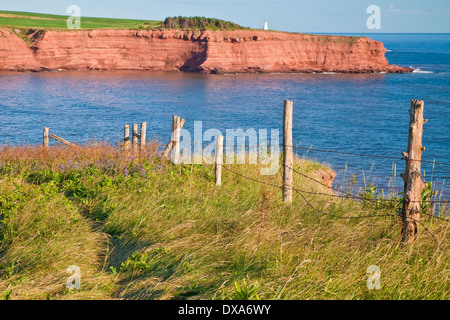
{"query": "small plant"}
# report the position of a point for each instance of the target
(6, 295)
(141, 262)
(246, 291)
(113, 271)
(136, 262)
(427, 194)
(370, 193)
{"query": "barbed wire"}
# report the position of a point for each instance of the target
(300, 192)
(363, 155)
(423, 226)
(331, 215)
(349, 195)
(346, 194)
(368, 155)
(436, 217)
(339, 217)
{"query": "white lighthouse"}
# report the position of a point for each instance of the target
(266, 26)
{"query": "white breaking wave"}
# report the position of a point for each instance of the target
(421, 71)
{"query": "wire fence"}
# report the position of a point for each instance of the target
(347, 196)
(394, 204)
(362, 155)
(340, 193)
(302, 192)
(386, 203)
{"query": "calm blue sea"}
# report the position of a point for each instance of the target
(349, 113)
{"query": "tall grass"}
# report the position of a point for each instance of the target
(143, 228)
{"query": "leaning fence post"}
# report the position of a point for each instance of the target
(126, 138)
(412, 177)
(143, 135)
(288, 153)
(46, 137)
(135, 138)
(64, 141)
(219, 160)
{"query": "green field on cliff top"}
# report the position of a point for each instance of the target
(51, 21)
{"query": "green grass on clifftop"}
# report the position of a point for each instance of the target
(50, 21)
(148, 229)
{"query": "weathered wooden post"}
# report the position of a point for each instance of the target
(46, 137)
(412, 176)
(126, 138)
(135, 138)
(176, 140)
(143, 136)
(219, 160)
(170, 144)
(288, 152)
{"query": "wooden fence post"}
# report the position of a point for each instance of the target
(412, 177)
(143, 136)
(170, 144)
(219, 160)
(46, 137)
(176, 139)
(126, 138)
(288, 153)
(135, 138)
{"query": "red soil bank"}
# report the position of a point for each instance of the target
(201, 51)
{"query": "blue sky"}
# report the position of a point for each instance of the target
(288, 15)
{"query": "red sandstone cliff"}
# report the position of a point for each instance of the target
(206, 51)
(15, 54)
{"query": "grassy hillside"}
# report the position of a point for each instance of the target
(50, 21)
(147, 229)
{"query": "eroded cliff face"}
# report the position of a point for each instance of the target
(15, 53)
(206, 51)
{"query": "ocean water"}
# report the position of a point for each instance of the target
(365, 114)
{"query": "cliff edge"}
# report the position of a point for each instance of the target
(240, 51)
